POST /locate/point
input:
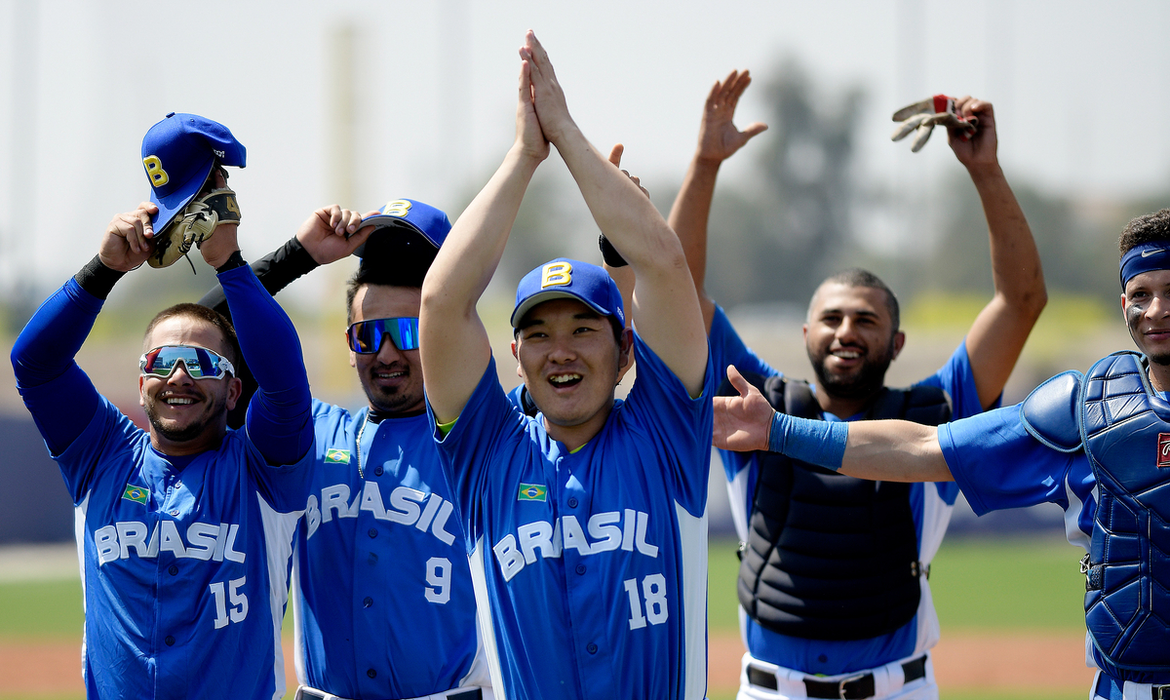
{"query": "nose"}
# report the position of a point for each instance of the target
(562, 351)
(1159, 306)
(388, 352)
(846, 330)
(179, 375)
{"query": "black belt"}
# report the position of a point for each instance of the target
(851, 688)
(473, 694)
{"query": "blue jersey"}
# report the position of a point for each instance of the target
(998, 465)
(591, 566)
(930, 505)
(184, 560)
(382, 593)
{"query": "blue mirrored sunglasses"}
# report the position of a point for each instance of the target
(365, 337)
(200, 363)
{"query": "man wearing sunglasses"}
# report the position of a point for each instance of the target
(381, 586)
(184, 529)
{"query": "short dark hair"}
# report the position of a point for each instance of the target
(207, 315)
(1145, 229)
(401, 260)
(857, 277)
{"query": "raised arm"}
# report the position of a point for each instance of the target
(329, 234)
(665, 306)
(42, 356)
(278, 419)
(998, 335)
(880, 450)
(718, 140)
(453, 344)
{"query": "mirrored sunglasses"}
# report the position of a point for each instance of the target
(200, 363)
(365, 337)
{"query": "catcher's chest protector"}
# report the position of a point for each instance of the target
(1126, 433)
(829, 556)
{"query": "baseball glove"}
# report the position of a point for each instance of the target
(196, 224)
(921, 117)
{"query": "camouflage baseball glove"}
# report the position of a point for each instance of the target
(196, 224)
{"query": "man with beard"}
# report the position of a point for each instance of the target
(833, 576)
(185, 529)
(382, 594)
(1098, 445)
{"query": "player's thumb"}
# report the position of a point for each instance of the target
(615, 154)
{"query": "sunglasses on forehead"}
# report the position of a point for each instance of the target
(365, 337)
(200, 363)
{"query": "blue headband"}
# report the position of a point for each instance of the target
(1145, 257)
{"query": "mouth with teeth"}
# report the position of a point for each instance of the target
(565, 380)
(172, 400)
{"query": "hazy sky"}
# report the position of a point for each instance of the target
(1081, 91)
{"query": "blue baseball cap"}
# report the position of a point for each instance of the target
(178, 154)
(409, 215)
(569, 279)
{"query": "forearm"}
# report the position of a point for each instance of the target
(689, 218)
(278, 420)
(885, 450)
(275, 271)
(471, 253)
(1015, 261)
(453, 342)
(623, 213)
(44, 352)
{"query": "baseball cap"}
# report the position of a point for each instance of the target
(178, 154)
(569, 279)
(407, 215)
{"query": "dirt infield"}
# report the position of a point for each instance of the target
(1051, 662)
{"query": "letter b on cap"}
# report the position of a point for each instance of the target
(154, 170)
(556, 274)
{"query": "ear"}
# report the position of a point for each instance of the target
(804, 332)
(352, 354)
(899, 341)
(141, 391)
(1123, 309)
(516, 355)
(625, 350)
(235, 390)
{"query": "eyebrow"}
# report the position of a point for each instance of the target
(586, 315)
(860, 312)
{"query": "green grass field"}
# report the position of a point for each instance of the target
(977, 585)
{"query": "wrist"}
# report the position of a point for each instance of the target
(233, 261)
(97, 278)
(984, 171)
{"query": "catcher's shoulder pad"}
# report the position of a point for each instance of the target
(1049, 414)
(223, 202)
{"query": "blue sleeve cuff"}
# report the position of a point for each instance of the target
(817, 442)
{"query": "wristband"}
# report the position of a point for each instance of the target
(817, 442)
(236, 260)
(609, 254)
(96, 278)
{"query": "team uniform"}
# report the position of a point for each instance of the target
(1039, 451)
(382, 595)
(590, 567)
(788, 665)
(184, 560)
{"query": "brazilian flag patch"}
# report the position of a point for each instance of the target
(533, 492)
(136, 494)
(336, 456)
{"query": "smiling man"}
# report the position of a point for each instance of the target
(833, 579)
(586, 524)
(382, 594)
(1094, 444)
(184, 530)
